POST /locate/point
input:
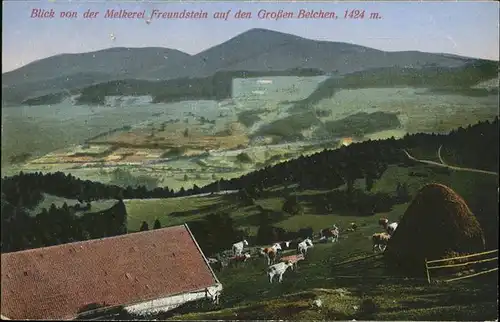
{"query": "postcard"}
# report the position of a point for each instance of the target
(233, 160)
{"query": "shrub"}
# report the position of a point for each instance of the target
(292, 206)
(144, 226)
(244, 158)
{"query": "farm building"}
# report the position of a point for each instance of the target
(142, 273)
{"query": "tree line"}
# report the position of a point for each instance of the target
(331, 169)
(25, 189)
(56, 226)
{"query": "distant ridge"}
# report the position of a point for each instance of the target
(254, 50)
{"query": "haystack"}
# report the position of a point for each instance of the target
(436, 224)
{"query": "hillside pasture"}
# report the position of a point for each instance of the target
(345, 290)
(360, 290)
(171, 211)
(314, 215)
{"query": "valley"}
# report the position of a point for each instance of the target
(132, 141)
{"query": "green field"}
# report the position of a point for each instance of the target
(174, 211)
(166, 210)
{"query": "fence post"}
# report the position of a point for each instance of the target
(427, 271)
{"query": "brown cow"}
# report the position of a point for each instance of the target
(239, 259)
(293, 259)
(271, 253)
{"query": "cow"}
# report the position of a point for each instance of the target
(218, 264)
(212, 260)
(286, 244)
(380, 241)
(389, 228)
(271, 253)
(239, 259)
(278, 269)
(352, 227)
(238, 247)
(294, 259)
(304, 245)
(330, 233)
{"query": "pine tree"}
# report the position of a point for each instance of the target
(157, 224)
(369, 180)
(144, 226)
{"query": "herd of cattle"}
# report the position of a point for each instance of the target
(235, 256)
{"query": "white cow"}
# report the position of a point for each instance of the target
(335, 234)
(329, 232)
(304, 245)
(390, 228)
(238, 247)
(285, 244)
(212, 260)
(277, 246)
(278, 269)
(380, 241)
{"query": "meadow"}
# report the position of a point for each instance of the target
(173, 211)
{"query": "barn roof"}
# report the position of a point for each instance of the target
(56, 282)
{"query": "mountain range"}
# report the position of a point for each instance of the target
(254, 50)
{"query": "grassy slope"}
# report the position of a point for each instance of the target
(248, 295)
(170, 212)
(188, 208)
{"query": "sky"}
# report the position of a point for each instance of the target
(464, 28)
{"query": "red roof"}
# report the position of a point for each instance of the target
(56, 282)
